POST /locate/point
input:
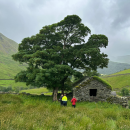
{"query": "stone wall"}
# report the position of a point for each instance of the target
(123, 101)
(24, 93)
(8, 93)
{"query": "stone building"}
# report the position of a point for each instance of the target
(95, 89)
(91, 89)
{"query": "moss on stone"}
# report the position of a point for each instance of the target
(84, 83)
(104, 82)
(109, 99)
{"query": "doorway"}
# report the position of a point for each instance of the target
(93, 92)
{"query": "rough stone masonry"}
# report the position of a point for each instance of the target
(94, 90)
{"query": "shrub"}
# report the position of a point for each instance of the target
(5, 89)
(124, 92)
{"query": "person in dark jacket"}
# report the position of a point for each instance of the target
(61, 102)
(74, 101)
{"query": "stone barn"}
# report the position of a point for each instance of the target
(91, 89)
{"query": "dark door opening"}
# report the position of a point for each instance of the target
(93, 92)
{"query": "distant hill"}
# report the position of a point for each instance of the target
(8, 67)
(123, 59)
(114, 67)
(120, 59)
(7, 46)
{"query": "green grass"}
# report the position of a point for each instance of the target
(7, 46)
(12, 83)
(118, 82)
(21, 112)
(38, 91)
(102, 81)
(8, 67)
(122, 72)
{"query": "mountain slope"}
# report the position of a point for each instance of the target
(7, 46)
(123, 59)
(114, 67)
(120, 59)
(8, 67)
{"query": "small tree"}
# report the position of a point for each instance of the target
(124, 92)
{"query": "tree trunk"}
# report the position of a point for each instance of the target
(62, 82)
(55, 91)
(62, 91)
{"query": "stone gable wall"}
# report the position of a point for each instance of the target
(83, 94)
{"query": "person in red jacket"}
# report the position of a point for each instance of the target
(73, 101)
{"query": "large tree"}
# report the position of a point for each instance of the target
(53, 54)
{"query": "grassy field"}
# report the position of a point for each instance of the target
(38, 91)
(12, 83)
(22, 112)
(8, 67)
(122, 72)
(118, 80)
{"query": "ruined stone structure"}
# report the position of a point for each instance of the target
(95, 89)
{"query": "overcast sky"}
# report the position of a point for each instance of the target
(24, 18)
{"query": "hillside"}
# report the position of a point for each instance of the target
(119, 80)
(7, 46)
(123, 59)
(120, 59)
(8, 67)
(114, 67)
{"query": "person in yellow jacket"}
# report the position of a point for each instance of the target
(64, 100)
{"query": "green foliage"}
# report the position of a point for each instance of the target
(124, 92)
(5, 89)
(51, 58)
(91, 73)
